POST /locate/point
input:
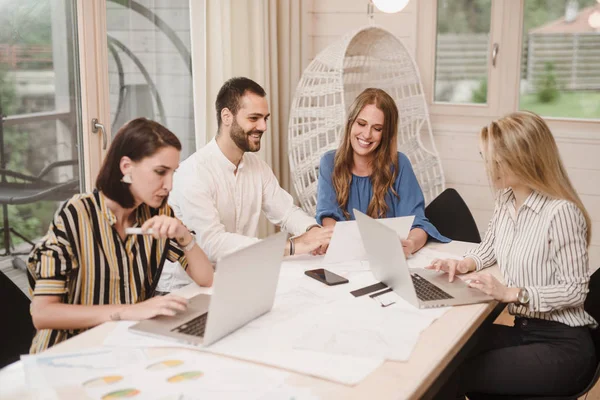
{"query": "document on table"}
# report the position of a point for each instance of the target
(387, 332)
(108, 373)
(270, 339)
(44, 373)
(346, 243)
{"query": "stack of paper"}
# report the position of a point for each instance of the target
(346, 243)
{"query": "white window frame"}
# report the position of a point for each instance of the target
(506, 29)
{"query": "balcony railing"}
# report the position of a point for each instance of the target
(26, 56)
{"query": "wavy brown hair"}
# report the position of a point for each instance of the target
(385, 157)
(522, 144)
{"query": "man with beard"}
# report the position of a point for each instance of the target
(220, 191)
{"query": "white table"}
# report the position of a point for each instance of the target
(437, 346)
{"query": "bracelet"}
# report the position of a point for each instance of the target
(312, 226)
(190, 245)
(292, 249)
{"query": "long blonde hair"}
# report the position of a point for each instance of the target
(385, 158)
(522, 143)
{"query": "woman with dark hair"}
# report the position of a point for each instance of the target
(369, 174)
(87, 270)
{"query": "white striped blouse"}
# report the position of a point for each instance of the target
(543, 249)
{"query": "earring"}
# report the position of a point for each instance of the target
(126, 178)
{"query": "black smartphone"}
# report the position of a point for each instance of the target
(327, 277)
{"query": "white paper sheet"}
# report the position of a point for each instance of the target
(346, 243)
(270, 338)
(102, 373)
(195, 375)
(390, 332)
(12, 381)
(46, 372)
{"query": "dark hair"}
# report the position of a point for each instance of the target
(230, 93)
(137, 139)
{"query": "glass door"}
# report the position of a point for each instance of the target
(71, 73)
(41, 129)
(150, 65)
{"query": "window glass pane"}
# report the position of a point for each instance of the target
(463, 31)
(41, 129)
(149, 64)
(560, 74)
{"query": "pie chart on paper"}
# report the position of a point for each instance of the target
(185, 376)
(165, 364)
(121, 394)
(102, 381)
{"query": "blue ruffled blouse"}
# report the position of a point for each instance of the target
(409, 202)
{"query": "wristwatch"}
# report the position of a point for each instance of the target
(523, 297)
(190, 245)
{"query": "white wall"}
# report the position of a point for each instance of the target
(456, 137)
(331, 19)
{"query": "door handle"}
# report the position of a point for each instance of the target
(96, 126)
(495, 50)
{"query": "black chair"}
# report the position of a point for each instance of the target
(17, 188)
(450, 215)
(17, 328)
(592, 307)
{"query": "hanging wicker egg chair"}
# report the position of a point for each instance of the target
(369, 57)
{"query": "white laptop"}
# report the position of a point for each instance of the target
(244, 289)
(420, 287)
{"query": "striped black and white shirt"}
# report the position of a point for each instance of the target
(83, 259)
(543, 249)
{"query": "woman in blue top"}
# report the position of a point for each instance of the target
(368, 173)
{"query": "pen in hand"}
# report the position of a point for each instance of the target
(138, 231)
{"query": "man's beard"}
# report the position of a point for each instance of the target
(242, 139)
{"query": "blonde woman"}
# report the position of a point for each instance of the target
(539, 236)
(367, 172)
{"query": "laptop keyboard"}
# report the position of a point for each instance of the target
(194, 327)
(427, 291)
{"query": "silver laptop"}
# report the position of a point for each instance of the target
(244, 289)
(420, 287)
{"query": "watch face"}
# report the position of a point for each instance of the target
(523, 296)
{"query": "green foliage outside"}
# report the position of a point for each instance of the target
(464, 16)
(23, 22)
(30, 220)
(547, 89)
(26, 22)
(581, 104)
(480, 95)
(473, 16)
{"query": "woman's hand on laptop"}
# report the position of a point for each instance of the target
(491, 286)
(453, 267)
(168, 305)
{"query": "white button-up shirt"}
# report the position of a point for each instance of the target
(223, 207)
